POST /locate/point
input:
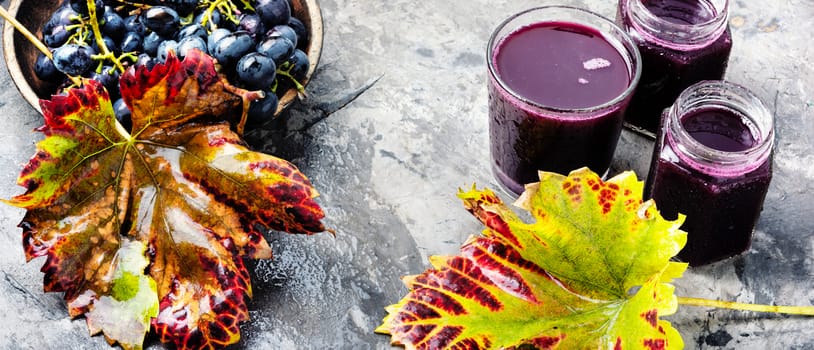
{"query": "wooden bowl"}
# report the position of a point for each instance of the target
(21, 55)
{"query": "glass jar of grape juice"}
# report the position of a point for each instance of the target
(560, 79)
(681, 43)
(713, 163)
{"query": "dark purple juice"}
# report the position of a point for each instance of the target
(670, 67)
(719, 129)
(721, 205)
(560, 71)
(561, 65)
(681, 11)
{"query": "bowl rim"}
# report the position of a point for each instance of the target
(313, 51)
(10, 56)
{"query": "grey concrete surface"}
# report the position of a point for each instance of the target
(389, 163)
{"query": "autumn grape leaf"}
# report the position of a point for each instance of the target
(149, 230)
(592, 271)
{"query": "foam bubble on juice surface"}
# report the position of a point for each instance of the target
(596, 63)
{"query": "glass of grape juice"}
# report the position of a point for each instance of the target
(560, 79)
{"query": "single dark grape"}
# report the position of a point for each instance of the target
(109, 77)
(109, 42)
(232, 47)
(252, 24)
(145, 60)
(297, 67)
(131, 42)
(300, 64)
(164, 49)
(301, 30)
(161, 19)
(133, 24)
(62, 16)
(208, 21)
(191, 30)
(189, 43)
(273, 12)
(278, 49)
(57, 37)
(262, 110)
(73, 59)
(256, 71)
(45, 70)
(283, 31)
(92, 50)
(216, 35)
(123, 114)
(151, 42)
(113, 24)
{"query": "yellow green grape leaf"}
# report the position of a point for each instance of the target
(184, 186)
(592, 271)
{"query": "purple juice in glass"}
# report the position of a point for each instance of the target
(560, 79)
(712, 163)
(681, 43)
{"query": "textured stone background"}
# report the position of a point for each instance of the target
(388, 165)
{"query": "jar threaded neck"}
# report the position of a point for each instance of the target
(730, 98)
(672, 34)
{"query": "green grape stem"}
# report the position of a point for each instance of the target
(227, 7)
(185, 21)
(230, 10)
(97, 34)
(790, 310)
(248, 5)
(79, 32)
(286, 72)
(32, 39)
(129, 55)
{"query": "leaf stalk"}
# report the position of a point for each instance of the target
(790, 310)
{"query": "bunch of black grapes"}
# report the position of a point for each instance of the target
(258, 47)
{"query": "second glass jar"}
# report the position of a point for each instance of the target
(681, 43)
(713, 163)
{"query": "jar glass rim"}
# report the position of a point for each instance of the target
(611, 33)
(734, 98)
(719, 11)
(685, 35)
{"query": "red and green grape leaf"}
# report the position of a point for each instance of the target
(592, 271)
(183, 193)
